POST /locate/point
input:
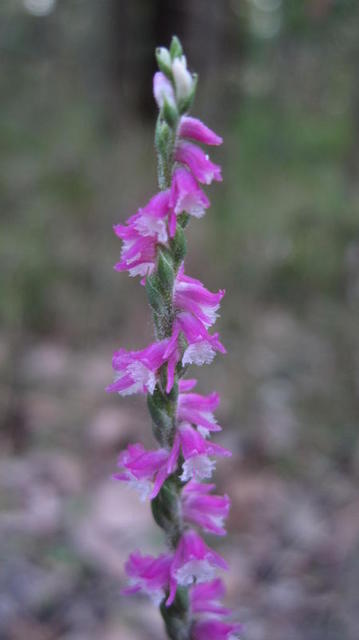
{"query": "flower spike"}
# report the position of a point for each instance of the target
(172, 477)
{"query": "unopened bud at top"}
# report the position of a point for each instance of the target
(163, 90)
(182, 78)
(164, 60)
(175, 48)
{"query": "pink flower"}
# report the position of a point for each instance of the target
(149, 575)
(138, 254)
(202, 346)
(203, 598)
(186, 195)
(198, 162)
(144, 470)
(193, 561)
(205, 510)
(163, 90)
(136, 370)
(191, 295)
(215, 630)
(195, 129)
(198, 410)
(151, 219)
(196, 452)
(140, 235)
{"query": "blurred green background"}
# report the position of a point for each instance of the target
(279, 81)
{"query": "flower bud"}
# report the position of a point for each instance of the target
(164, 61)
(163, 90)
(186, 103)
(182, 78)
(176, 48)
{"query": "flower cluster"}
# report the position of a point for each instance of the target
(173, 476)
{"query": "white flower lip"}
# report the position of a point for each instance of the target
(198, 467)
(142, 376)
(199, 570)
(151, 226)
(198, 353)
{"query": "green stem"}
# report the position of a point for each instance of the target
(166, 507)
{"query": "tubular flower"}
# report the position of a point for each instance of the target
(182, 581)
(186, 196)
(200, 507)
(144, 470)
(138, 255)
(198, 410)
(196, 130)
(197, 453)
(200, 347)
(198, 162)
(191, 295)
(141, 234)
(204, 598)
(136, 370)
(152, 219)
(193, 561)
(148, 574)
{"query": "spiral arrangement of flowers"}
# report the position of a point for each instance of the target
(182, 581)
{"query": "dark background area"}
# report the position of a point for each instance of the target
(279, 81)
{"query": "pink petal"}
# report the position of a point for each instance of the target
(197, 130)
